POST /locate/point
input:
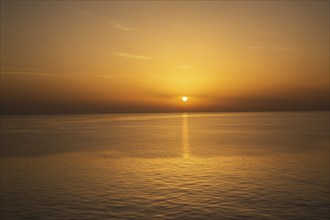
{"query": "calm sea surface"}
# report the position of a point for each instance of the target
(166, 166)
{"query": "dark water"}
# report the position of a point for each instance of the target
(166, 166)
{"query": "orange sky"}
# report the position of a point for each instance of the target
(100, 57)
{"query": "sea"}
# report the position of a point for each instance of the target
(258, 165)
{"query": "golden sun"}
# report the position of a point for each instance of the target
(184, 98)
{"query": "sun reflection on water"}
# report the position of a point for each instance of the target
(185, 137)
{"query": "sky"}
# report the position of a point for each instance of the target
(143, 56)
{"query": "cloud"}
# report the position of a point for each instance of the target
(106, 76)
(270, 48)
(17, 69)
(88, 13)
(132, 56)
(33, 72)
(26, 73)
(185, 67)
(120, 26)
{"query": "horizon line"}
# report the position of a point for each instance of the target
(155, 112)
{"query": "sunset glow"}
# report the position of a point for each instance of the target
(164, 109)
(124, 56)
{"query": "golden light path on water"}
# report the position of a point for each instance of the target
(185, 137)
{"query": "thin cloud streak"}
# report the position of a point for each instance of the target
(26, 73)
(106, 76)
(31, 72)
(12, 71)
(120, 26)
(270, 48)
(185, 67)
(132, 56)
(88, 13)
(17, 69)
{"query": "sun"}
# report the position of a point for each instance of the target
(184, 98)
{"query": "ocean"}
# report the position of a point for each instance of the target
(265, 165)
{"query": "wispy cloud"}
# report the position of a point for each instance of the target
(184, 67)
(132, 56)
(9, 71)
(17, 69)
(88, 13)
(26, 73)
(106, 76)
(120, 26)
(269, 48)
